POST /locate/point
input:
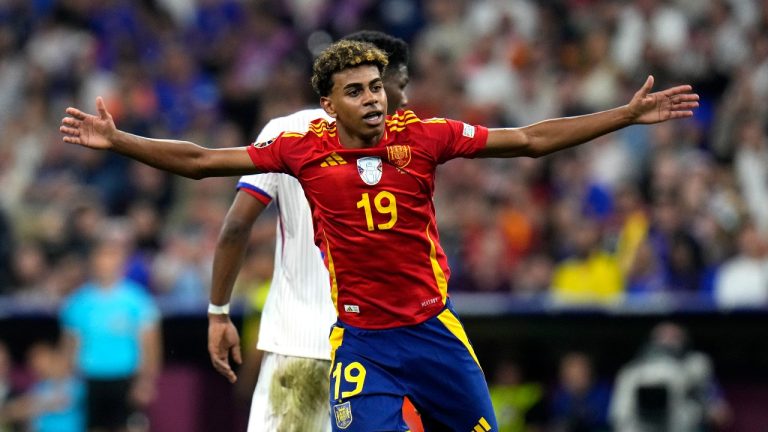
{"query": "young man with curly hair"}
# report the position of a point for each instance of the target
(369, 179)
(292, 388)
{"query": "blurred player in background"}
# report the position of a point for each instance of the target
(369, 180)
(299, 312)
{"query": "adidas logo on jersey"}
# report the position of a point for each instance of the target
(333, 160)
(351, 308)
(482, 425)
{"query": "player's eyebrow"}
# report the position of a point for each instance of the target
(358, 85)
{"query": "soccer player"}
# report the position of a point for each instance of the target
(369, 181)
(298, 313)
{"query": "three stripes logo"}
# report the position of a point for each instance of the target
(482, 426)
(333, 160)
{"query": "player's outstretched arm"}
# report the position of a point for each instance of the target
(223, 339)
(552, 135)
(179, 157)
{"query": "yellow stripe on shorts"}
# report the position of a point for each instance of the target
(337, 335)
(453, 325)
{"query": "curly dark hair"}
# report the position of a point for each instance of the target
(343, 55)
(395, 48)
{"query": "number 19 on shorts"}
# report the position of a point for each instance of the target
(353, 373)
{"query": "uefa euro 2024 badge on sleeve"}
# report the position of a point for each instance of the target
(370, 169)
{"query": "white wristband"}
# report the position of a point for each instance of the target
(218, 310)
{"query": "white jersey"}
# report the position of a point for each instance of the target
(298, 313)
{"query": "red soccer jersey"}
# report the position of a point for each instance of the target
(373, 212)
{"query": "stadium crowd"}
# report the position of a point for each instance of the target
(645, 215)
(676, 208)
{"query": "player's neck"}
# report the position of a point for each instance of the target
(349, 139)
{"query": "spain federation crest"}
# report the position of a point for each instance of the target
(369, 169)
(343, 415)
(399, 155)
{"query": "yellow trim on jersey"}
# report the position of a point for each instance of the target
(408, 115)
(332, 272)
(440, 279)
(292, 135)
(336, 338)
(453, 325)
(434, 120)
(401, 125)
(321, 128)
(399, 120)
(404, 115)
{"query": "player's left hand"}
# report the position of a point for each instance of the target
(223, 340)
(672, 103)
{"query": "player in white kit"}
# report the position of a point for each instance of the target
(292, 389)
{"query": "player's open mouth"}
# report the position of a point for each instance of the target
(373, 118)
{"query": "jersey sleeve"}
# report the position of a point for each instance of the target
(263, 187)
(454, 139)
(268, 156)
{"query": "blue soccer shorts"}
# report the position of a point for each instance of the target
(432, 363)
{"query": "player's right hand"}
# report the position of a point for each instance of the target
(223, 340)
(89, 130)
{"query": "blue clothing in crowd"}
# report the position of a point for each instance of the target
(64, 402)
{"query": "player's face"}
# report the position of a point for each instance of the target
(358, 101)
(395, 81)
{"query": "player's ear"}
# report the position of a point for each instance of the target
(327, 105)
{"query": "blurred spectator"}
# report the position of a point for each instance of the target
(533, 276)
(751, 166)
(145, 221)
(6, 253)
(8, 389)
(580, 401)
(84, 223)
(645, 276)
(111, 330)
(446, 35)
(185, 94)
(181, 271)
(649, 34)
(630, 225)
(519, 404)
(679, 253)
(668, 387)
(592, 275)
(55, 402)
(31, 270)
(742, 280)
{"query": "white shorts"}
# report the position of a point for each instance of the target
(291, 395)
